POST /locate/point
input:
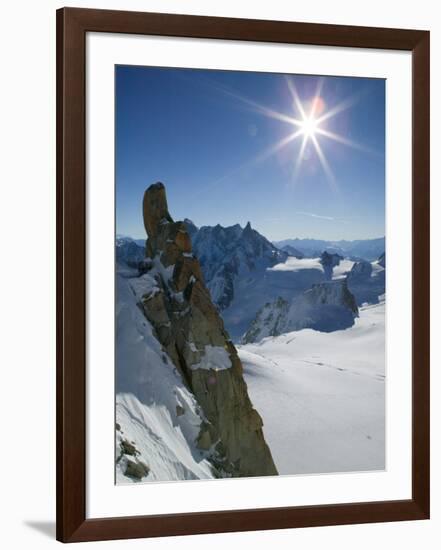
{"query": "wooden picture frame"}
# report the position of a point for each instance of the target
(72, 26)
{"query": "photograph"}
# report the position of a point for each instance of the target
(221, 332)
(250, 274)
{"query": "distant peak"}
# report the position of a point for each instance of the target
(248, 226)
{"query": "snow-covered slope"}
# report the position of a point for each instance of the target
(326, 307)
(155, 412)
(322, 396)
(262, 286)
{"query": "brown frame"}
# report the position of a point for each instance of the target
(72, 25)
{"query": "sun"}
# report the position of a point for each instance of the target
(308, 120)
(309, 126)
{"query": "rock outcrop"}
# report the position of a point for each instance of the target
(291, 251)
(367, 281)
(360, 271)
(191, 331)
(329, 261)
(270, 320)
(191, 228)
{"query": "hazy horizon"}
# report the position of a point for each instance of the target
(292, 238)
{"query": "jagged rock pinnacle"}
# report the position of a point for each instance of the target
(191, 331)
(154, 208)
(169, 238)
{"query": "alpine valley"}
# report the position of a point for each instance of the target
(237, 356)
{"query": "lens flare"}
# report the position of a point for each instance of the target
(307, 119)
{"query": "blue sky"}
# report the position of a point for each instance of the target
(211, 137)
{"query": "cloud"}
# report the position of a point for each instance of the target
(329, 218)
(311, 215)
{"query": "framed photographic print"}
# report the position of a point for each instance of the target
(242, 276)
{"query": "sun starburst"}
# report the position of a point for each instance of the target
(309, 120)
(309, 126)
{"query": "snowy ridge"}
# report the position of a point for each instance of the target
(154, 410)
(326, 307)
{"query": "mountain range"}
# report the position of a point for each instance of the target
(228, 254)
(368, 249)
(245, 272)
(186, 393)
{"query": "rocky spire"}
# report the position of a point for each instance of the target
(191, 330)
(155, 208)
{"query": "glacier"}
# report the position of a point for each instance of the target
(322, 395)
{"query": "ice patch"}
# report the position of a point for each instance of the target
(146, 284)
(215, 358)
(376, 268)
(342, 269)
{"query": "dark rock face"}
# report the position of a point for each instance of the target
(128, 448)
(133, 466)
(190, 329)
(291, 251)
(365, 284)
(332, 293)
(137, 470)
(382, 260)
(270, 320)
(329, 261)
(225, 253)
(360, 271)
